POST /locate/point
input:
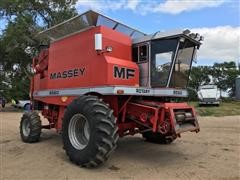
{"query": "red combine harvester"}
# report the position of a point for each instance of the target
(100, 79)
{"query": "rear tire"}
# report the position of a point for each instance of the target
(158, 138)
(30, 127)
(89, 131)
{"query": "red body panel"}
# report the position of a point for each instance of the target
(77, 52)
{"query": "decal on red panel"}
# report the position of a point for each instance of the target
(71, 73)
(123, 73)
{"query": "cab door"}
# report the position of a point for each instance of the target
(162, 56)
(141, 57)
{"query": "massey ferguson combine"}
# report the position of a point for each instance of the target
(100, 80)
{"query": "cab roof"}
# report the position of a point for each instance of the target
(195, 37)
(85, 21)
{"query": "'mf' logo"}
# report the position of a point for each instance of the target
(123, 73)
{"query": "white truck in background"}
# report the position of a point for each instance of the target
(208, 94)
(22, 104)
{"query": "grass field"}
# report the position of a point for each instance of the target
(224, 109)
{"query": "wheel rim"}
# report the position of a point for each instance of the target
(79, 131)
(27, 107)
(26, 127)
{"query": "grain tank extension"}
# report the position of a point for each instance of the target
(100, 80)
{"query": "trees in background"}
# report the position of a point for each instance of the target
(221, 74)
(199, 75)
(18, 42)
(224, 75)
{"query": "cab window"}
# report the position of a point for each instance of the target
(140, 54)
(143, 53)
(135, 54)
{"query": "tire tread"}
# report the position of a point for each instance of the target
(105, 125)
(35, 127)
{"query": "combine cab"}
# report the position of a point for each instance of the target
(100, 80)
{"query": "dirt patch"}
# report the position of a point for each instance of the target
(4, 141)
(211, 154)
(114, 168)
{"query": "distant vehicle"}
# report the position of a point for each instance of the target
(2, 102)
(25, 104)
(209, 94)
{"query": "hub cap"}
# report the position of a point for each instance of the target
(26, 127)
(79, 131)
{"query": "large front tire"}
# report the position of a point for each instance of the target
(89, 131)
(30, 127)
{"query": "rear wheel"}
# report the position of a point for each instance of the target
(158, 138)
(30, 127)
(89, 131)
(27, 107)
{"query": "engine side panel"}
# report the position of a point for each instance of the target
(73, 62)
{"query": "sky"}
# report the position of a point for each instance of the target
(217, 20)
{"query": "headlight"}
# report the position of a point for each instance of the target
(188, 114)
(180, 117)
